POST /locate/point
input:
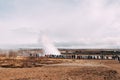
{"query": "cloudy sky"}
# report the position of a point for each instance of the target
(75, 23)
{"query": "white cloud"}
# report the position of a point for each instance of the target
(89, 22)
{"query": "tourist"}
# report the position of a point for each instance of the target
(119, 59)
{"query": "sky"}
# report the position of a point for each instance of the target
(71, 23)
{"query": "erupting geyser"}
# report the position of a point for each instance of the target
(48, 46)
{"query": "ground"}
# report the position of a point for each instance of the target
(65, 69)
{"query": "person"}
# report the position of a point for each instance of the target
(119, 59)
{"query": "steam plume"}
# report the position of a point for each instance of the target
(48, 46)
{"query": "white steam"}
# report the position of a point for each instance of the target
(48, 46)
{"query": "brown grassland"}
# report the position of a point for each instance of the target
(59, 69)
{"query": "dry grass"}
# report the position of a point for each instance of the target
(57, 72)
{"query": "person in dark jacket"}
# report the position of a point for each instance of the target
(119, 59)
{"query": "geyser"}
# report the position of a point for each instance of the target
(48, 46)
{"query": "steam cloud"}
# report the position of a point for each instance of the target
(48, 47)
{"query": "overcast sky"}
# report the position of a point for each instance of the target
(85, 23)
